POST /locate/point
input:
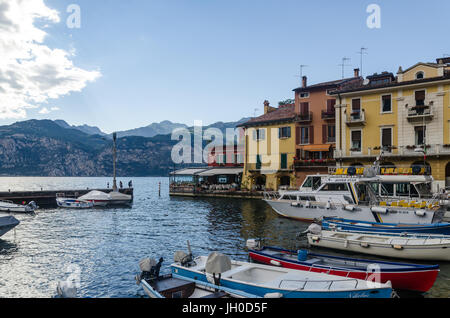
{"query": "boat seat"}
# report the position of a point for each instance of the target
(234, 271)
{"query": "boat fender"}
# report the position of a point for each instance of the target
(378, 209)
(420, 212)
(397, 247)
(328, 206)
(302, 255)
(315, 238)
(274, 262)
(273, 295)
(349, 207)
(307, 204)
(294, 203)
(364, 244)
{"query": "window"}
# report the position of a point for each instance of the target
(420, 75)
(304, 109)
(331, 133)
(284, 132)
(334, 187)
(304, 95)
(420, 98)
(285, 181)
(356, 140)
(356, 109)
(220, 159)
(420, 135)
(283, 161)
(386, 139)
(386, 104)
(259, 134)
(304, 135)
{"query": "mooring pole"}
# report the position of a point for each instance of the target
(159, 188)
(114, 162)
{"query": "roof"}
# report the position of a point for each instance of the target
(283, 113)
(187, 171)
(328, 84)
(220, 171)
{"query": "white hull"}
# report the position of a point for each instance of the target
(360, 213)
(433, 249)
(15, 208)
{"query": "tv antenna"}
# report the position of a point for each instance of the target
(302, 66)
(343, 65)
(361, 53)
(254, 112)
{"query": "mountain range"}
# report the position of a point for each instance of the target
(56, 148)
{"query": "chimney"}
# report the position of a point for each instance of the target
(356, 70)
(304, 81)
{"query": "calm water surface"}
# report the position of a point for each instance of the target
(105, 245)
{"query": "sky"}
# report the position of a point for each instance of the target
(135, 62)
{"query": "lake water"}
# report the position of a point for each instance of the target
(102, 247)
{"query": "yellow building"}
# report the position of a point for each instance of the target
(403, 118)
(270, 149)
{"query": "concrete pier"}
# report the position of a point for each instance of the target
(47, 198)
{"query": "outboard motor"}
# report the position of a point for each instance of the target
(149, 269)
(313, 229)
(217, 263)
(33, 205)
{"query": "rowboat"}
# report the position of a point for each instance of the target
(73, 203)
(270, 281)
(175, 286)
(403, 276)
(7, 223)
(407, 246)
(10, 207)
(442, 228)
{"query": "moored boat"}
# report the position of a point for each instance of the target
(114, 198)
(10, 207)
(7, 223)
(73, 203)
(407, 246)
(403, 276)
(376, 227)
(265, 280)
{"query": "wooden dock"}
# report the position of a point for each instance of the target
(47, 198)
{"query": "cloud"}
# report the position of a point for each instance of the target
(45, 110)
(31, 73)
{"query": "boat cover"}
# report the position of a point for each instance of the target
(119, 196)
(217, 263)
(95, 195)
(8, 220)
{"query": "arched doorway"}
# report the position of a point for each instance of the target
(447, 175)
(285, 181)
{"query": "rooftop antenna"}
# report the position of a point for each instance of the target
(361, 53)
(254, 112)
(302, 66)
(343, 65)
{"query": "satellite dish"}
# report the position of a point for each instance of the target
(366, 81)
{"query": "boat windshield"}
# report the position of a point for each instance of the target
(312, 182)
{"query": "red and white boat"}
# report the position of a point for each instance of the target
(403, 276)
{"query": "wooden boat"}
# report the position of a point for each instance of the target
(7, 223)
(175, 286)
(364, 226)
(410, 246)
(270, 281)
(73, 203)
(402, 276)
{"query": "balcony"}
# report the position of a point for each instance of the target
(419, 113)
(328, 115)
(313, 163)
(356, 118)
(305, 117)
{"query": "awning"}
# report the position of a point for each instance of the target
(325, 147)
(188, 171)
(221, 171)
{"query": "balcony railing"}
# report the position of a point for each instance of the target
(419, 113)
(399, 151)
(311, 163)
(328, 114)
(356, 118)
(305, 117)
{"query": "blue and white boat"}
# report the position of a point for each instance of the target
(340, 224)
(269, 281)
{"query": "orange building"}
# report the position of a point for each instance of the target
(315, 131)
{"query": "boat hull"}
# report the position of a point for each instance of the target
(261, 291)
(7, 223)
(437, 252)
(360, 213)
(420, 280)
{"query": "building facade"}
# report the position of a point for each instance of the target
(403, 120)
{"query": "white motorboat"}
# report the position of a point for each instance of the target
(411, 246)
(73, 203)
(114, 198)
(10, 207)
(353, 197)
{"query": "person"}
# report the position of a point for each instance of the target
(121, 184)
(130, 184)
(107, 185)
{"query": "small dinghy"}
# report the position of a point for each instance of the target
(363, 226)
(174, 286)
(407, 246)
(7, 223)
(10, 207)
(73, 203)
(275, 282)
(403, 276)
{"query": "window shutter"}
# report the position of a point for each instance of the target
(289, 132)
(304, 108)
(420, 95)
(356, 104)
(330, 105)
(254, 134)
(324, 134)
(311, 134)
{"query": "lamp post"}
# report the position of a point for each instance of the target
(114, 161)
